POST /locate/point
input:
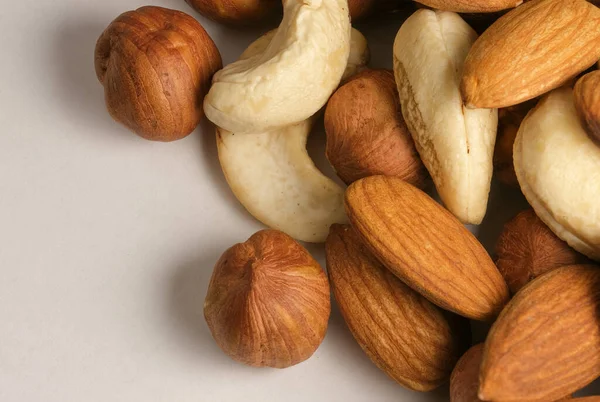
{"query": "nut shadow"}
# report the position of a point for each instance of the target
(185, 299)
(79, 90)
(504, 203)
(206, 135)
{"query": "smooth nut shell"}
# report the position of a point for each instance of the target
(546, 343)
(531, 50)
(404, 334)
(425, 246)
(268, 301)
(156, 66)
(366, 133)
(464, 382)
(587, 103)
(527, 248)
(237, 12)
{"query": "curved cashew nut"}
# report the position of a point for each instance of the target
(456, 144)
(558, 167)
(277, 87)
(359, 57)
(273, 176)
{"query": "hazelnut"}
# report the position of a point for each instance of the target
(527, 248)
(237, 12)
(509, 121)
(360, 8)
(366, 133)
(156, 66)
(464, 382)
(268, 301)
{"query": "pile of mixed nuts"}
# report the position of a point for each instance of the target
(517, 101)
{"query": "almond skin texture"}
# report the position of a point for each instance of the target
(546, 342)
(156, 66)
(464, 382)
(426, 246)
(404, 334)
(366, 133)
(471, 6)
(587, 103)
(531, 50)
(527, 248)
(509, 121)
(268, 301)
(237, 12)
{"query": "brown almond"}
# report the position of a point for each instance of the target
(471, 6)
(546, 342)
(527, 248)
(587, 103)
(464, 382)
(403, 333)
(531, 50)
(426, 246)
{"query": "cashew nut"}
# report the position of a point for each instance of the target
(456, 144)
(558, 167)
(292, 78)
(358, 59)
(273, 176)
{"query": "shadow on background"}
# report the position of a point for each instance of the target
(188, 286)
(78, 86)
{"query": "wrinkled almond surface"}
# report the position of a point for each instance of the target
(546, 343)
(426, 246)
(531, 50)
(403, 333)
(471, 6)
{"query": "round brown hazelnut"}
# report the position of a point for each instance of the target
(509, 121)
(360, 8)
(527, 248)
(156, 66)
(268, 301)
(237, 12)
(366, 133)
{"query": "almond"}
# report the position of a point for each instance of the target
(404, 334)
(587, 102)
(426, 246)
(546, 342)
(531, 50)
(471, 6)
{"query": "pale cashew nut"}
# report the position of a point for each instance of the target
(558, 167)
(273, 176)
(359, 57)
(292, 78)
(456, 144)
